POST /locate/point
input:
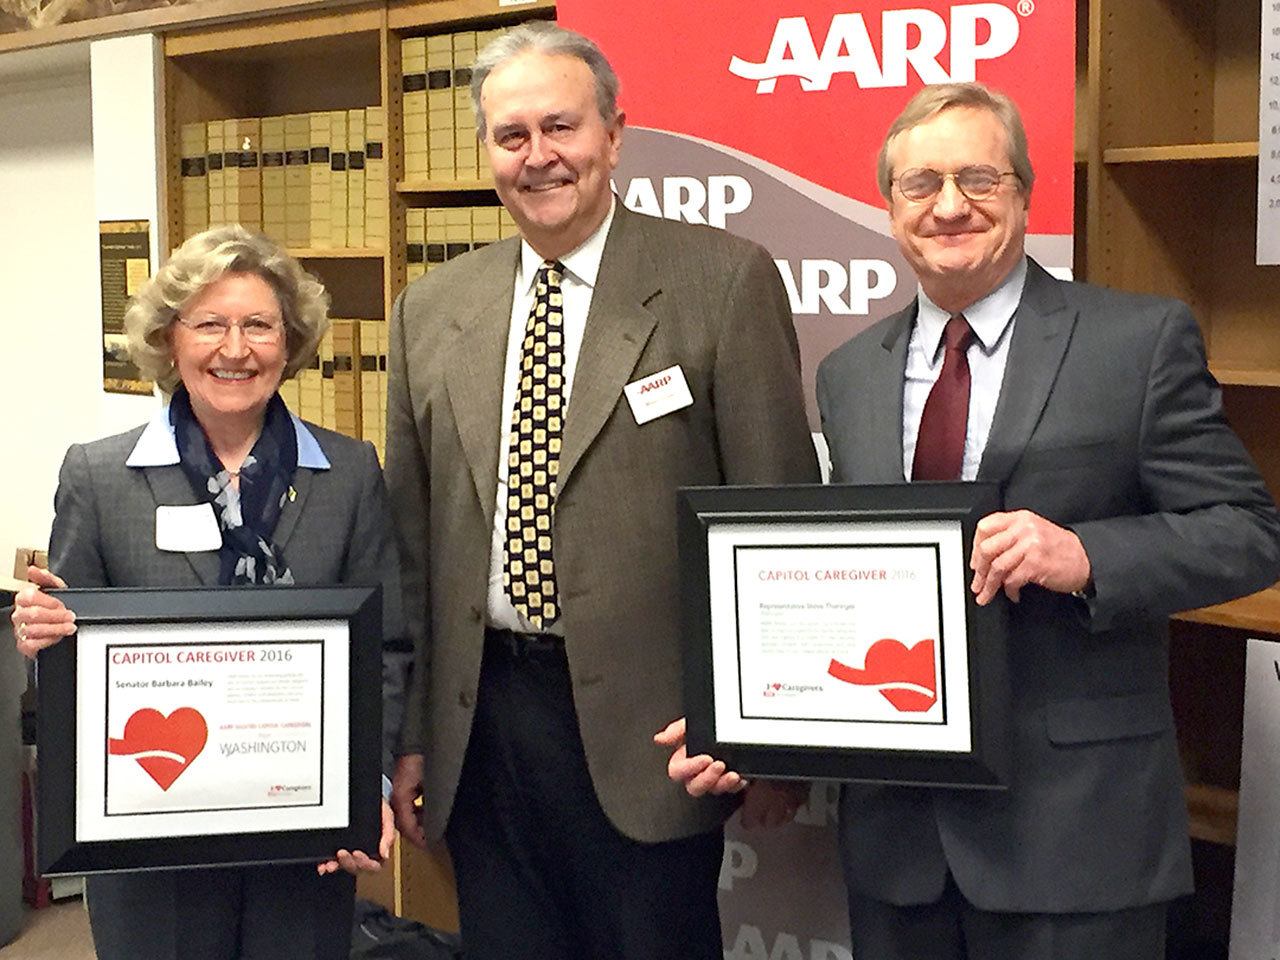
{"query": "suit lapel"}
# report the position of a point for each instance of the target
(170, 488)
(292, 508)
(475, 369)
(1041, 332)
(618, 327)
(883, 392)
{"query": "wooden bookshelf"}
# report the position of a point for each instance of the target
(1170, 170)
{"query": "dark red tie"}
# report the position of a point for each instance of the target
(940, 442)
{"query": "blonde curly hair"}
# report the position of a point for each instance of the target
(200, 261)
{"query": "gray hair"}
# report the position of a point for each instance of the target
(933, 100)
(202, 260)
(545, 37)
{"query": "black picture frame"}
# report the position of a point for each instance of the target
(984, 766)
(58, 850)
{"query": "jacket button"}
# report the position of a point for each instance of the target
(477, 614)
(465, 700)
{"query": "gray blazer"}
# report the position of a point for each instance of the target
(667, 293)
(336, 530)
(1108, 422)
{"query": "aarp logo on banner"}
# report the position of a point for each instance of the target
(916, 38)
(810, 86)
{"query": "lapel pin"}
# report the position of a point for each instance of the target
(293, 494)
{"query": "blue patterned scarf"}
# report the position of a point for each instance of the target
(266, 476)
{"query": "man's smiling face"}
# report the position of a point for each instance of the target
(960, 249)
(552, 153)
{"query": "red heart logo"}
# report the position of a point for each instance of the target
(907, 678)
(163, 746)
(777, 686)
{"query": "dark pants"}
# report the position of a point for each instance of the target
(954, 929)
(283, 912)
(542, 873)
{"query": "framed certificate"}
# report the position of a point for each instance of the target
(830, 633)
(220, 725)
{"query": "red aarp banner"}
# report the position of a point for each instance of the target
(766, 118)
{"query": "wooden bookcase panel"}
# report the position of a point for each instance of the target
(1238, 56)
(355, 284)
(395, 272)
(1177, 72)
(414, 17)
(1206, 677)
(1245, 315)
(1187, 230)
(328, 73)
(275, 33)
(1151, 239)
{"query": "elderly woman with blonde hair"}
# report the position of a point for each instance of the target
(221, 324)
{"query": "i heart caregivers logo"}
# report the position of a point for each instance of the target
(163, 746)
(906, 677)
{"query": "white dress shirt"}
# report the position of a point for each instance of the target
(581, 268)
(992, 321)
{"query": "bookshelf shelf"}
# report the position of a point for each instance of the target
(1245, 376)
(446, 186)
(242, 37)
(1258, 612)
(419, 16)
(1183, 153)
(344, 253)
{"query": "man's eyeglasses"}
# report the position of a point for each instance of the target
(977, 182)
(211, 328)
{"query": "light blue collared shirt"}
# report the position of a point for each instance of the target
(992, 320)
(157, 447)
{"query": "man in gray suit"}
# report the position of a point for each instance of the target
(636, 355)
(1126, 498)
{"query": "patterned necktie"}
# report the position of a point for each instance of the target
(940, 442)
(533, 456)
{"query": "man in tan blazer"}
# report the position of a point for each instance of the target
(545, 611)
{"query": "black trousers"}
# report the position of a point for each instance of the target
(542, 873)
(276, 912)
(954, 929)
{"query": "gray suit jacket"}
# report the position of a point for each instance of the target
(1109, 423)
(336, 530)
(667, 294)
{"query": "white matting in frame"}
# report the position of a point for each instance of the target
(834, 635)
(184, 728)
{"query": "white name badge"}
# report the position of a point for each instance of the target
(658, 394)
(187, 529)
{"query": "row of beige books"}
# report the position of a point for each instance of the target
(345, 386)
(308, 180)
(439, 118)
(436, 234)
